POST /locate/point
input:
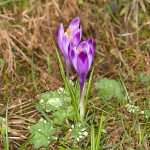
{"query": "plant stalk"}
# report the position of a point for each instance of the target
(82, 81)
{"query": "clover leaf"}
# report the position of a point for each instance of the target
(144, 78)
(53, 100)
(43, 131)
(61, 115)
(109, 89)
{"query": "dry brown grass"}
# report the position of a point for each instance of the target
(32, 33)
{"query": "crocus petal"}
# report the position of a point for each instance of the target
(82, 63)
(60, 34)
(91, 44)
(90, 51)
(77, 37)
(65, 44)
(73, 56)
(74, 23)
(84, 45)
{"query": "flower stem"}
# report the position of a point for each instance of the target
(67, 69)
(82, 81)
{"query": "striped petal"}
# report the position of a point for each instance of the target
(82, 63)
(60, 34)
(74, 23)
(77, 37)
(73, 56)
(65, 45)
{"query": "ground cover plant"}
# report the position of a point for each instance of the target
(74, 74)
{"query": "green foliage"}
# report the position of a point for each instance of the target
(147, 113)
(144, 78)
(61, 115)
(113, 5)
(3, 126)
(67, 85)
(132, 108)
(109, 89)
(54, 100)
(43, 131)
(1, 119)
(123, 11)
(58, 102)
(78, 132)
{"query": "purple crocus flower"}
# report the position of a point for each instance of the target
(81, 58)
(65, 38)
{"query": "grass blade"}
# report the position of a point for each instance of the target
(143, 131)
(48, 64)
(111, 13)
(123, 126)
(92, 138)
(26, 143)
(88, 91)
(8, 1)
(24, 118)
(33, 78)
(31, 8)
(60, 65)
(67, 84)
(42, 112)
(76, 85)
(73, 100)
(99, 133)
(7, 141)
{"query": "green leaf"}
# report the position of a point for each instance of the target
(42, 112)
(5, 2)
(2, 27)
(43, 131)
(53, 100)
(92, 138)
(31, 8)
(88, 90)
(144, 78)
(147, 113)
(60, 66)
(130, 148)
(61, 115)
(113, 5)
(123, 11)
(112, 8)
(109, 89)
(26, 143)
(73, 98)
(1, 119)
(100, 129)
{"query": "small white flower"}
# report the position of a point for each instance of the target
(83, 129)
(80, 136)
(78, 139)
(41, 119)
(41, 101)
(61, 88)
(39, 129)
(72, 126)
(85, 133)
(142, 112)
